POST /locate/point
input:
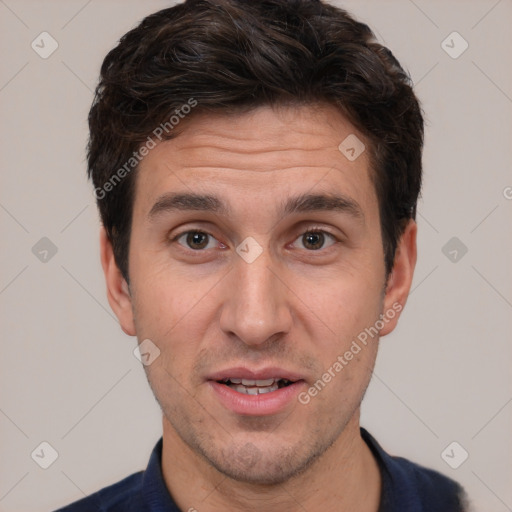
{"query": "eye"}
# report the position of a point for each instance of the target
(314, 239)
(196, 240)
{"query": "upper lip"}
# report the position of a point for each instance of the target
(252, 374)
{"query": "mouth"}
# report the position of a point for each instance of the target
(255, 387)
(256, 392)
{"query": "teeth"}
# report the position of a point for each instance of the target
(262, 391)
(255, 387)
(251, 382)
(248, 382)
(254, 390)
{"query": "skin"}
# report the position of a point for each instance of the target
(295, 307)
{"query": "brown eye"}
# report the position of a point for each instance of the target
(313, 240)
(196, 240)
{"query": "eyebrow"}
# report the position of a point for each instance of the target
(302, 203)
(188, 202)
(322, 202)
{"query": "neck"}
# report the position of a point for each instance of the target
(345, 478)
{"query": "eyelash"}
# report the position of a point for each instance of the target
(307, 231)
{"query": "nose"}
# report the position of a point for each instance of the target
(257, 307)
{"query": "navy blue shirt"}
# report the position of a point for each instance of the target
(406, 487)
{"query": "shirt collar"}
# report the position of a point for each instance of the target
(154, 491)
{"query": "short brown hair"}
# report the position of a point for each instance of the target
(235, 55)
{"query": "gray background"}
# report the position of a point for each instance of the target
(68, 374)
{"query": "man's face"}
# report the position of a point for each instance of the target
(254, 292)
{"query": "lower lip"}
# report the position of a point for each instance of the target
(256, 405)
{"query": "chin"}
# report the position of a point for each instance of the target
(266, 467)
(262, 474)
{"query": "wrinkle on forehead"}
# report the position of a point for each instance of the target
(291, 147)
(306, 128)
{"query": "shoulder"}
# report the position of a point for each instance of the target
(407, 486)
(122, 496)
(431, 489)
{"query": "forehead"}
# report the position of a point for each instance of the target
(266, 154)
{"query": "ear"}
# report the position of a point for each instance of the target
(399, 282)
(118, 293)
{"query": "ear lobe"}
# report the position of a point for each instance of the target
(400, 280)
(118, 292)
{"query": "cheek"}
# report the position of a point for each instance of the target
(347, 349)
(348, 308)
(164, 302)
(348, 304)
(171, 320)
